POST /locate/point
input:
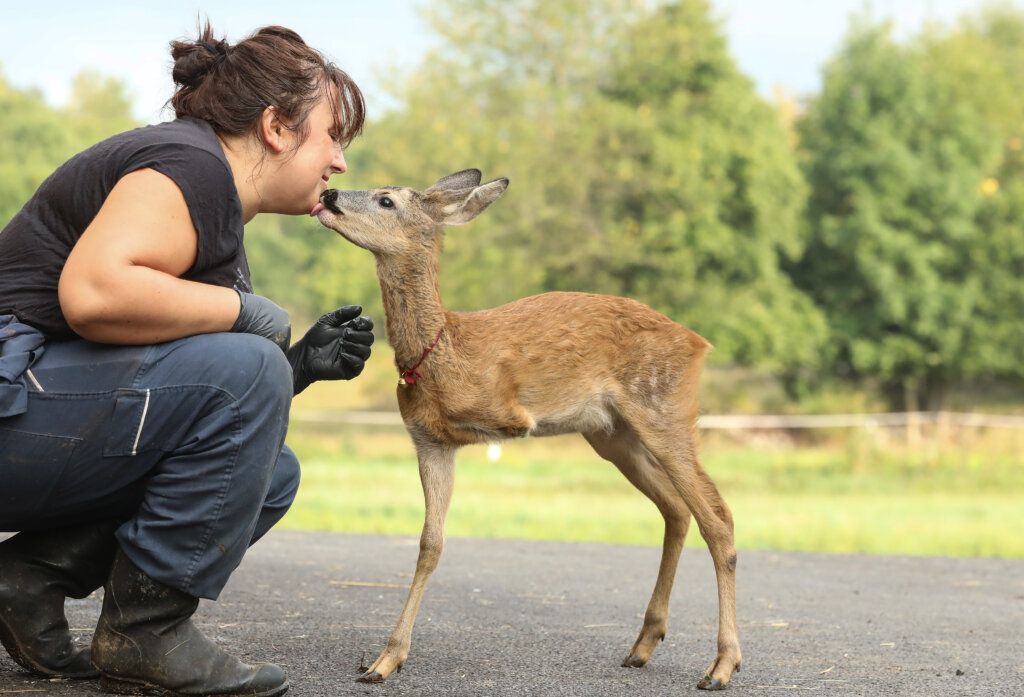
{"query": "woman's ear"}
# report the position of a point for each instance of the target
(272, 131)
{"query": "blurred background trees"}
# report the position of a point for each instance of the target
(35, 138)
(910, 153)
(869, 233)
(651, 170)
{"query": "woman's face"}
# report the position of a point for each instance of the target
(299, 174)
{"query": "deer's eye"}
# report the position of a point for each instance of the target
(386, 202)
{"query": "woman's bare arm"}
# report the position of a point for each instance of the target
(121, 282)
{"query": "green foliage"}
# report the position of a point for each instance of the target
(912, 256)
(36, 138)
(642, 164)
(98, 108)
(708, 194)
(996, 334)
(877, 239)
(288, 260)
(32, 142)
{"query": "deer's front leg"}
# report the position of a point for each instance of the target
(437, 474)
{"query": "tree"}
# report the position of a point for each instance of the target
(708, 195)
(36, 138)
(99, 107)
(32, 143)
(902, 148)
(995, 337)
(642, 163)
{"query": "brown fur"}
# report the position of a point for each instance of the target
(612, 369)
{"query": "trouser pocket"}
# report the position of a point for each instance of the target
(127, 423)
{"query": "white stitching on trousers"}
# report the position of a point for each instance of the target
(138, 434)
(28, 371)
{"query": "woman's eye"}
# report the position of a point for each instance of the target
(387, 202)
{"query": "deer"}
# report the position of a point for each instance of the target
(609, 368)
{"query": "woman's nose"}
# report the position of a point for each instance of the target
(338, 163)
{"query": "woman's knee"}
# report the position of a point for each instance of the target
(285, 482)
(270, 370)
(244, 365)
(283, 486)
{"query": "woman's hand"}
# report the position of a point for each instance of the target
(262, 317)
(335, 348)
(121, 282)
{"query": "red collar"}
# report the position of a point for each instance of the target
(409, 375)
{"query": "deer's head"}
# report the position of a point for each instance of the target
(399, 221)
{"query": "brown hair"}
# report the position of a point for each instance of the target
(230, 86)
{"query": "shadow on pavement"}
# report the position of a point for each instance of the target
(505, 617)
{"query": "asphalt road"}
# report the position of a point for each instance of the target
(535, 618)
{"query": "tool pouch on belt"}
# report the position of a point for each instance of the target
(20, 347)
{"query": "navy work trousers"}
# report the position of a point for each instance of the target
(183, 442)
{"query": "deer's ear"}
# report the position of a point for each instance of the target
(466, 179)
(471, 204)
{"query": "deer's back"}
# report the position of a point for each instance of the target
(558, 354)
(580, 324)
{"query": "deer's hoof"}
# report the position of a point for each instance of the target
(708, 683)
(373, 677)
(633, 661)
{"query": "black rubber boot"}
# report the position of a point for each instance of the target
(145, 641)
(38, 570)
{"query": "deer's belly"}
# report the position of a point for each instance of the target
(593, 416)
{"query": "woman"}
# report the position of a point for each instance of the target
(144, 389)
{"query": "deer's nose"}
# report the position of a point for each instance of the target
(330, 199)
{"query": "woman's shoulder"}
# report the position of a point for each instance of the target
(182, 136)
(187, 150)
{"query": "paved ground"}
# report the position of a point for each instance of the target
(530, 618)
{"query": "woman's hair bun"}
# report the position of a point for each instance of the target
(194, 60)
(230, 86)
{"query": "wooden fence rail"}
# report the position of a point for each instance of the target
(737, 422)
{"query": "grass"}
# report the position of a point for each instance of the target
(847, 493)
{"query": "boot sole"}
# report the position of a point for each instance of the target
(11, 644)
(129, 686)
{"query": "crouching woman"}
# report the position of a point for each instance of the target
(144, 388)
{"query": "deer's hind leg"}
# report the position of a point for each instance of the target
(672, 441)
(624, 449)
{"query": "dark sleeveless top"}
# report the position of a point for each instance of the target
(36, 242)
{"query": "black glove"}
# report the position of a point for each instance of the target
(262, 317)
(335, 348)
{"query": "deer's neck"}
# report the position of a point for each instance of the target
(412, 306)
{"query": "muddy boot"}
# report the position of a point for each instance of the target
(38, 570)
(146, 641)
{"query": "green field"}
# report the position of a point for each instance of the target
(849, 492)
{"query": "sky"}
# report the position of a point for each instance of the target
(776, 42)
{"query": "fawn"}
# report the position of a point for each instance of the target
(609, 368)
